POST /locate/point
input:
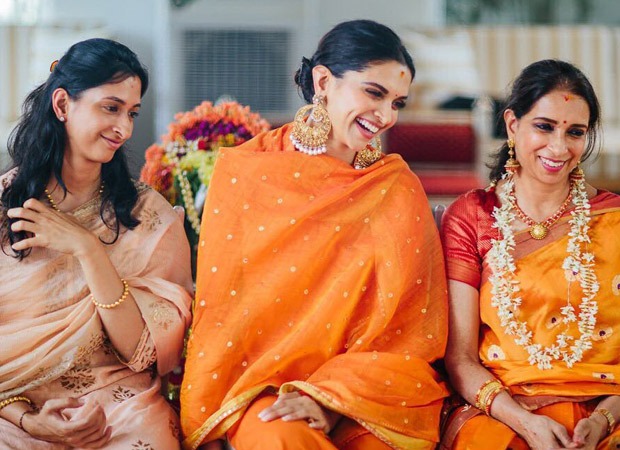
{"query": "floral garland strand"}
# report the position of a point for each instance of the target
(577, 265)
(172, 150)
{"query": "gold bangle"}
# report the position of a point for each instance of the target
(18, 398)
(611, 422)
(487, 393)
(117, 302)
(491, 399)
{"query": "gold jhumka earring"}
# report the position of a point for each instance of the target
(577, 173)
(310, 133)
(512, 165)
(369, 155)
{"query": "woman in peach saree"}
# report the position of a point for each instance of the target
(94, 270)
(321, 295)
(534, 273)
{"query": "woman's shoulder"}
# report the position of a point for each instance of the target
(476, 199)
(150, 201)
(272, 140)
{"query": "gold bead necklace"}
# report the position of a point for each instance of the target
(53, 204)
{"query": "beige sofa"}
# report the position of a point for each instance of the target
(482, 61)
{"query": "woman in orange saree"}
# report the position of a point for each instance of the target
(321, 295)
(94, 271)
(533, 274)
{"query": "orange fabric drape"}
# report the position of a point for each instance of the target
(317, 277)
(253, 433)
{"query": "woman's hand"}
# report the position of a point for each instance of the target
(294, 406)
(589, 432)
(86, 429)
(544, 433)
(50, 229)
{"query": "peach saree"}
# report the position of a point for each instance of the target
(564, 393)
(317, 277)
(54, 345)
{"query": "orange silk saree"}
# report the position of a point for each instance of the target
(317, 277)
(545, 289)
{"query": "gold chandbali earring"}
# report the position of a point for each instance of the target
(310, 133)
(577, 173)
(512, 165)
(369, 155)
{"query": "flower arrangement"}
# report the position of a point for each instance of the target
(180, 168)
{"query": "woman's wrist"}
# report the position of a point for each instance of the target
(88, 247)
(601, 419)
(516, 417)
(27, 421)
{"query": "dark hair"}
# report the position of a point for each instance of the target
(37, 144)
(534, 82)
(352, 45)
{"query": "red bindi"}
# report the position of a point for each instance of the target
(566, 97)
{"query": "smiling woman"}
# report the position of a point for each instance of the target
(532, 264)
(94, 269)
(321, 295)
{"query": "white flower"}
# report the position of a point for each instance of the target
(504, 283)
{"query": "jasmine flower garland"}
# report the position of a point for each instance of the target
(578, 265)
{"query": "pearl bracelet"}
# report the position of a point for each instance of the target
(117, 302)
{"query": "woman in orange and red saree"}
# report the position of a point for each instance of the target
(534, 273)
(321, 295)
(95, 275)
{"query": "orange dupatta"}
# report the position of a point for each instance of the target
(317, 277)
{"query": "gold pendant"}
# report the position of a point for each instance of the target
(539, 231)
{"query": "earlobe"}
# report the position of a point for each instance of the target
(321, 77)
(60, 101)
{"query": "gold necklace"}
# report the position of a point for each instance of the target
(539, 230)
(53, 204)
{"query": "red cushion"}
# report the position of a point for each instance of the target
(448, 182)
(430, 142)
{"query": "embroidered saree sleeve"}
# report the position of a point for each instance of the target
(54, 344)
(317, 277)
